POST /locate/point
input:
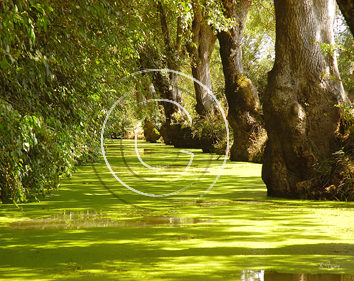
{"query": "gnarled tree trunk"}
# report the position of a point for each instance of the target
(244, 109)
(300, 101)
(200, 51)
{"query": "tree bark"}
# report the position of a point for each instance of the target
(347, 8)
(244, 113)
(200, 50)
(144, 92)
(304, 87)
(169, 87)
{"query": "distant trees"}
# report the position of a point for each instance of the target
(166, 54)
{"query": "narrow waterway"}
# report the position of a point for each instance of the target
(185, 220)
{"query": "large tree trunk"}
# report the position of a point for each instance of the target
(300, 101)
(244, 109)
(347, 8)
(163, 84)
(200, 50)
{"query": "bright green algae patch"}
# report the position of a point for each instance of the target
(94, 228)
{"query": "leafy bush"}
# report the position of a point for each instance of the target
(33, 155)
(54, 88)
(211, 132)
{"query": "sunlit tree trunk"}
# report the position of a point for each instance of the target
(347, 8)
(167, 84)
(244, 109)
(200, 50)
(300, 101)
(168, 87)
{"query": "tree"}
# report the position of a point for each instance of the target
(244, 113)
(169, 89)
(302, 103)
(157, 54)
(347, 8)
(200, 49)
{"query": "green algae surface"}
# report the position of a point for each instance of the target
(210, 228)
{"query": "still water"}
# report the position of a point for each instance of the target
(74, 220)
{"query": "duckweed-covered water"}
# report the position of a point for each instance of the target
(210, 228)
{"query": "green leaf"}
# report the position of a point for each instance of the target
(4, 64)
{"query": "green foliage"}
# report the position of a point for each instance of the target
(258, 43)
(211, 132)
(119, 123)
(345, 49)
(214, 12)
(60, 63)
(32, 156)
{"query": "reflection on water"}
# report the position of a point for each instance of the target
(91, 218)
(261, 275)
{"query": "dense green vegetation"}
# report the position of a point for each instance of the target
(54, 88)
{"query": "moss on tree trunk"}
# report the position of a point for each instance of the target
(300, 102)
(244, 113)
